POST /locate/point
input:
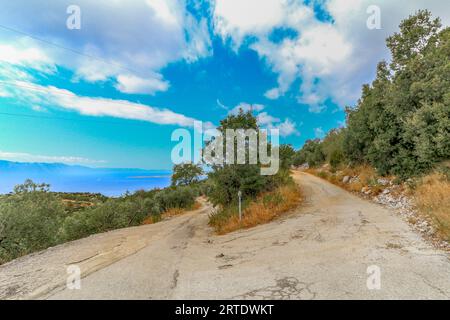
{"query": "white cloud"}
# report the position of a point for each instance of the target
(4, 93)
(25, 57)
(319, 133)
(133, 84)
(265, 119)
(287, 128)
(273, 94)
(237, 18)
(247, 107)
(27, 157)
(38, 108)
(15, 59)
(221, 105)
(52, 97)
(332, 59)
(116, 39)
(165, 10)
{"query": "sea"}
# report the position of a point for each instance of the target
(65, 178)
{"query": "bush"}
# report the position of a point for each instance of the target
(401, 123)
(231, 179)
(30, 219)
(113, 214)
(311, 153)
(180, 197)
(263, 209)
(336, 158)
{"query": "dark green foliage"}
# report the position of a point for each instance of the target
(287, 154)
(87, 197)
(227, 180)
(113, 214)
(185, 174)
(311, 153)
(336, 158)
(32, 218)
(29, 220)
(181, 197)
(401, 124)
(230, 179)
(126, 211)
(333, 148)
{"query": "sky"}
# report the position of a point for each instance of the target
(110, 93)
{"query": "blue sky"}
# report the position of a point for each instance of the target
(111, 93)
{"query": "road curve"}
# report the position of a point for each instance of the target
(320, 251)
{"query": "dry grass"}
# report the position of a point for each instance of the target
(151, 220)
(264, 209)
(367, 176)
(432, 197)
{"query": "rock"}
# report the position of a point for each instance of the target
(366, 190)
(346, 179)
(354, 179)
(304, 166)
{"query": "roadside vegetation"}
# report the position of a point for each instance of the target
(398, 135)
(399, 131)
(33, 218)
(263, 197)
(264, 208)
(433, 198)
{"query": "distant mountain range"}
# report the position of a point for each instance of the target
(75, 178)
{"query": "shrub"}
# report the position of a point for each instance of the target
(311, 153)
(336, 158)
(29, 220)
(113, 214)
(264, 209)
(179, 197)
(401, 123)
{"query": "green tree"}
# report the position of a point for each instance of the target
(228, 179)
(400, 123)
(186, 173)
(311, 153)
(286, 153)
(30, 219)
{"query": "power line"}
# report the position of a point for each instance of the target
(69, 49)
(65, 119)
(30, 87)
(71, 95)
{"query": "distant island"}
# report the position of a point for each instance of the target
(75, 178)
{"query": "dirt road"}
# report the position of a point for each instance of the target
(320, 251)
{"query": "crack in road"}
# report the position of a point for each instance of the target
(288, 288)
